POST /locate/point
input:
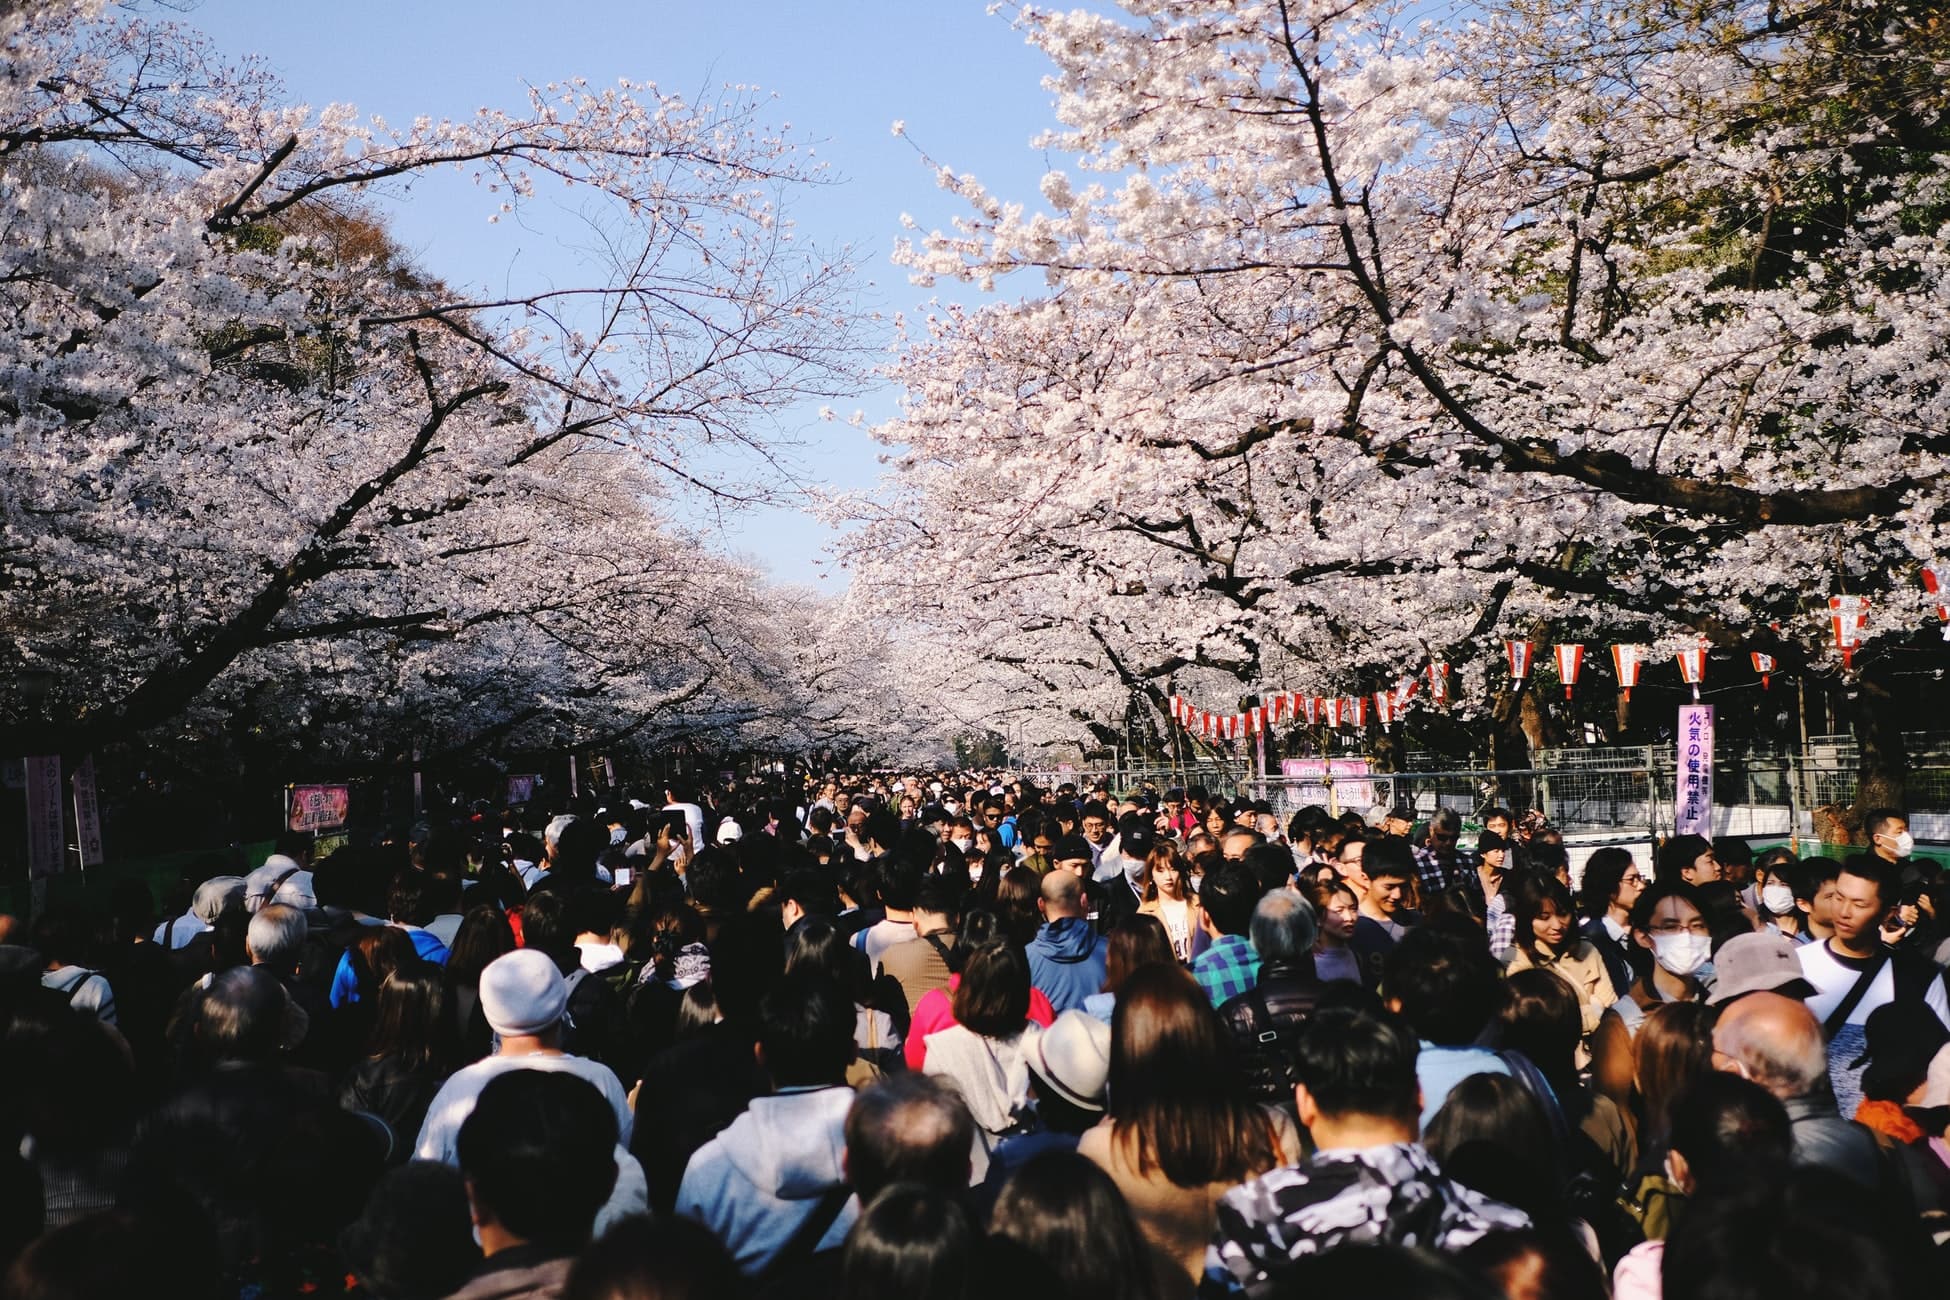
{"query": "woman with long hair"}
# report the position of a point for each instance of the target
(410, 1054)
(1168, 896)
(1136, 942)
(1061, 1228)
(816, 945)
(1180, 1130)
(484, 934)
(1017, 896)
(1547, 938)
(982, 1053)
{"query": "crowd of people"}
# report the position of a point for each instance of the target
(954, 1036)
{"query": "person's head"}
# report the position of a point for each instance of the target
(1236, 841)
(911, 1242)
(1061, 1220)
(1175, 1092)
(1819, 904)
(1356, 1068)
(993, 997)
(1888, 833)
(1535, 1263)
(1611, 880)
(1351, 863)
(1390, 866)
(1723, 1126)
(1062, 896)
(111, 1253)
(1096, 823)
(1904, 1036)
(1540, 1018)
(1069, 1072)
(523, 996)
(1336, 909)
(908, 1127)
(1498, 822)
(1135, 942)
(1071, 856)
(1283, 926)
(1492, 1135)
(1541, 907)
(641, 1258)
(1805, 1234)
(1669, 922)
(1865, 890)
(275, 937)
(1445, 830)
(1227, 897)
(937, 905)
(242, 1016)
(1689, 858)
(1164, 871)
(816, 945)
(1445, 987)
(1672, 1049)
(414, 1238)
(1774, 1041)
(805, 1032)
(538, 1154)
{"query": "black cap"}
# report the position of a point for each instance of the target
(1071, 848)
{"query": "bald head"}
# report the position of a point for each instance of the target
(1774, 1041)
(1062, 895)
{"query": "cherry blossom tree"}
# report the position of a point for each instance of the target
(1366, 338)
(256, 464)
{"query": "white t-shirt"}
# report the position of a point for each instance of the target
(181, 930)
(1833, 979)
(86, 991)
(693, 818)
(440, 1135)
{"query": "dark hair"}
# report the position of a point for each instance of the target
(1541, 1019)
(1603, 871)
(1491, 1134)
(1016, 896)
(1135, 942)
(993, 997)
(414, 1238)
(1447, 985)
(538, 1150)
(813, 891)
(815, 945)
(1228, 895)
(912, 1242)
(545, 924)
(1390, 856)
(1672, 1049)
(1728, 1127)
(1528, 896)
(1551, 1264)
(1876, 818)
(1680, 852)
(241, 1016)
(641, 1258)
(1821, 871)
(411, 1023)
(908, 1128)
(1271, 864)
(1175, 1092)
(1658, 892)
(484, 934)
(1807, 1234)
(1061, 1220)
(1868, 867)
(1359, 1063)
(111, 1253)
(805, 1028)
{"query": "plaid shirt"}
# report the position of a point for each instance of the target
(1227, 969)
(1448, 871)
(1502, 927)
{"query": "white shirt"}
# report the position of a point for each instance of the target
(440, 1135)
(1832, 980)
(86, 991)
(693, 819)
(444, 927)
(181, 931)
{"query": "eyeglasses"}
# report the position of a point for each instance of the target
(1632, 878)
(1695, 926)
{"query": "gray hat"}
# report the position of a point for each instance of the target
(1762, 962)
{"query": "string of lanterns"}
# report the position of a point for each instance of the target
(1848, 619)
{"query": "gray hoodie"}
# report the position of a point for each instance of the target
(754, 1184)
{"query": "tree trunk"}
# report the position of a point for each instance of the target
(1510, 746)
(1882, 760)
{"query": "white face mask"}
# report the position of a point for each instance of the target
(1903, 842)
(1778, 899)
(1682, 954)
(974, 873)
(962, 842)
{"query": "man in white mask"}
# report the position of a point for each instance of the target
(1889, 837)
(1668, 922)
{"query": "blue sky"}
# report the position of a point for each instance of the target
(962, 80)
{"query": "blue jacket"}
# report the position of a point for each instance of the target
(1066, 961)
(345, 980)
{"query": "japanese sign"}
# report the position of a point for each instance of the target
(1307, 781)
(46, 829)
(87, 814)
(1693, 805)
(316, 807)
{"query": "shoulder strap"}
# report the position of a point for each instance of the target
(1268, 1031)
(933, 940)
(1846, 1007)
(279, 880)
(169, 932)
(74, 990)
(811, 1231)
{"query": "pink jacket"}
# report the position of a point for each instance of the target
(936, 1012)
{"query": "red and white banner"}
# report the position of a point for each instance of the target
(1310, 704)
(1439, 683)
(1626, 661)
(1764, 665)
(1692, 667)
(1570, 658)
(1359, 707)
(1405, 691)
(1849, 615)
(1384, 707)
(1933, 585)
(1521, 653)
(1336, 711)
